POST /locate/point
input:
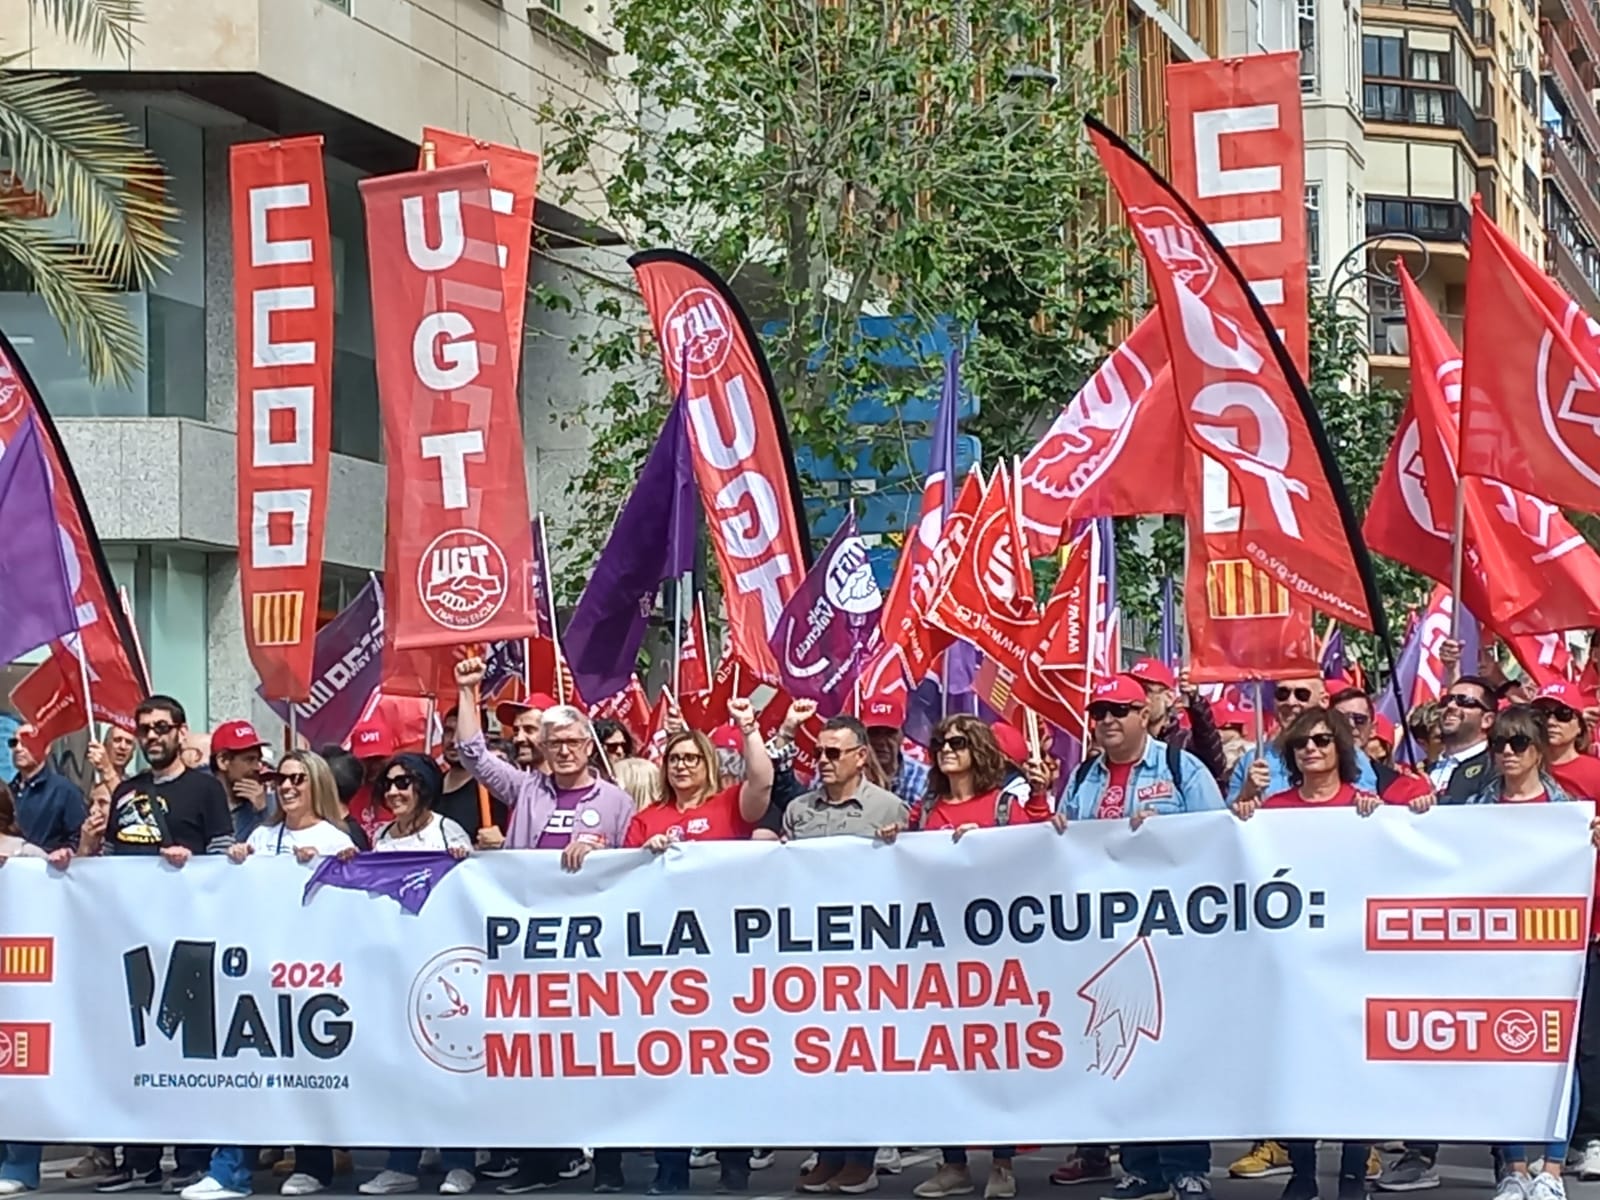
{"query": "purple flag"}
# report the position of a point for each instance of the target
(829, 627)
(408, 877)
(652, 542)
(35, 586)
(1333, 662)
(346, 668)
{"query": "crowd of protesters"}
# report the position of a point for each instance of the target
(554, 781)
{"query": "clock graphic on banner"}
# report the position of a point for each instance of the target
(446, 1010)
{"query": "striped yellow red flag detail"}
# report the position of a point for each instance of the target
(1237, 589)
(27, 959)
(277, 618)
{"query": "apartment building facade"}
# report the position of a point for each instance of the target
(156, 457)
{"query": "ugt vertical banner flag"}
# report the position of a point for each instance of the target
(283, 318)
(742, 460)
(514, 180)
(458, 546)
(116, 676)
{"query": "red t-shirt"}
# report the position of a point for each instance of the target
(369, 810)
(717, 820)
(1403, 789)
(1347, 795)
(983, 811)
(1114, 800)
(1542, 798)
(1579, 778)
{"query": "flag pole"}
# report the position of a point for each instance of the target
(83, 669)
(1457, 553)
(677, 633)
(550, 603)
(1261, 725)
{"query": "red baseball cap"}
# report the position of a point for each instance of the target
(233, 736)
(884, 713)
(1011, 742)
(506, 711)
(727, 737)
(372, 739)
(1153, 670)
(1119, 689)
(1563, 692)
(1228, 714)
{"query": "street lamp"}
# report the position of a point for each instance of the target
(1386, 277)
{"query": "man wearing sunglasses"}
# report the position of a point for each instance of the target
(1134, 775)
(1466, 711)
(1289, 699)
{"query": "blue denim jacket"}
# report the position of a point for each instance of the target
(1150, 785)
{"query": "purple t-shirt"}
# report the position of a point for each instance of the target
(563, 822)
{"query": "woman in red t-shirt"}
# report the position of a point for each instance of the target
(1320, 751)
(694, 806)
(1567, 740)
(966, 781)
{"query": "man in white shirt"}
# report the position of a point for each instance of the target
(1466, 710)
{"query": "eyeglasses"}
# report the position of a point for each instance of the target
(955, 743)
(1302, 694)
(1320, 740)
(617, 748)
(685, 760)
(294, 779)
(1461, 700)
(1099, 712)
(13, 742)
(1517, 743)
(1560, 712)
(155, 729)
(399, 783)
(575, 745)
(1359, 719)
(835, 753)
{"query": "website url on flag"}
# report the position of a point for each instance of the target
(1291, 579)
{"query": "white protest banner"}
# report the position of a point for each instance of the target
(1019, 986)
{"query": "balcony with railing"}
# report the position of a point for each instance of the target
(1461, 9)
(1559, 67)
(1576, 175)
(1430, 220)
(1576, 267)
(1583, 18)
(1439, 107)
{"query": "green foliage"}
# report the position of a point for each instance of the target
(841, 158)
(1360, 420)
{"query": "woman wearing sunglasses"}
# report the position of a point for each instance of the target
(409, 786)
(1517, 751)
(696, 807)
(1567, 740)
(307, 821)
(1320, 750)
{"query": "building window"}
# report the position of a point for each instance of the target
(1314, 228)
(1352, 18)
(1380, 56)
(1430, 66)
(1306, 15)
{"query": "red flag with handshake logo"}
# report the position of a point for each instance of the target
(742, 460)
(1242, 401)
(458, 547)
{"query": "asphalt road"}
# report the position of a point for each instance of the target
(1464, 1170)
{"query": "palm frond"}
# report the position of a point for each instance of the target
(95, 23)
(86, 303)
(84, 159)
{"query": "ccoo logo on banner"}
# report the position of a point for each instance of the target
(961, 993)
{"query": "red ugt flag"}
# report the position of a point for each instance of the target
(1242, 402)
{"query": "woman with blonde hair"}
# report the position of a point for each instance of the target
(640, 779)
(307, 820)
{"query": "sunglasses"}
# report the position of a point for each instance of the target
(399, 783)
(1359, 720)
(835, 753)
(13, 742)
(685, 760)
(1463, 701)
(616, 747)
(292, 778)
(1099, 712)
(1320, 740)
(157, 729)
(1302, 694)
(955, 743)
(1517, 743)
(1560, 712)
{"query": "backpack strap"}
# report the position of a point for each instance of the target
(1002, 809)
(1175, 765)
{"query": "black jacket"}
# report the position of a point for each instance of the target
(1468, 779)
(1201, 739)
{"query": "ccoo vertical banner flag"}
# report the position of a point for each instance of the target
(459, 546)
(283, 319)
(742, 459)
(116, 677)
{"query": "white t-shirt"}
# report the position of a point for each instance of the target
(322, 837)
(12, 846)
(440, 833)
